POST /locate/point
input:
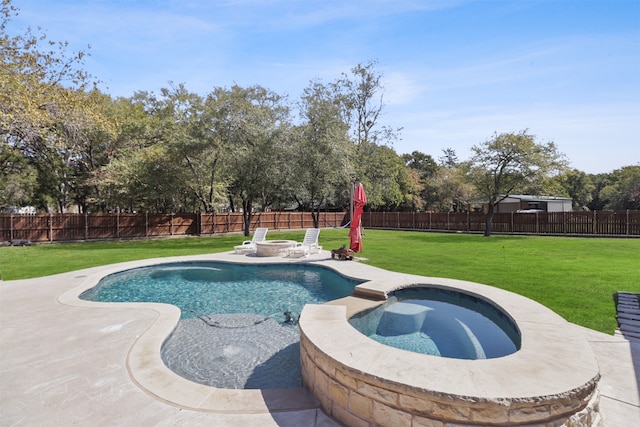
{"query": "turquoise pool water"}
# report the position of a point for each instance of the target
(233, 332)
(442, 323)
(206, 288)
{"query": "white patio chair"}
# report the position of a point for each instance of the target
(309, 244)
(250, 245)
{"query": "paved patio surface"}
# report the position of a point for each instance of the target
(63, 364)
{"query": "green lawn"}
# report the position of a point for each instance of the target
(575, 277)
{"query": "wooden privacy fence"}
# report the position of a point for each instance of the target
(594, 223)
(75, 227)
(70, 227)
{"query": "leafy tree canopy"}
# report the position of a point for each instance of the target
(509, 162)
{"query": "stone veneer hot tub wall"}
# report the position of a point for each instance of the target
(550, 381)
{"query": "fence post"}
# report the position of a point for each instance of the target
(413, 220)
(118, 223)
(429, 220)
(595, 223)
(50, 227)
(11, 227)
(86, 225)
(448, 220)
(627, 224)
(398, 220)
(146, 224)
(171, 224)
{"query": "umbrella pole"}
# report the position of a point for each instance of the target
(352, 192)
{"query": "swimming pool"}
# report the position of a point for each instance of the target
(238, 325)
(552, 378)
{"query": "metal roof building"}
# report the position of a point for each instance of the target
(526, 203)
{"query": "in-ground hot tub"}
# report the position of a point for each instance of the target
(550, 380)
(440, 322)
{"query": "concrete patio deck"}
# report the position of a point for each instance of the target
(63, 364)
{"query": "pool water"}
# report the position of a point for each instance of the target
(205, 288)
(233, 331)
(442, 323)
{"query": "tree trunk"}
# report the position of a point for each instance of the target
(232, 206)
(247, 215)
(487, 228)
(315, 215)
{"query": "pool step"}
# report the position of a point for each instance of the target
(402, 318)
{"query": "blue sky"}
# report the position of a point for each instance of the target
(455, 72)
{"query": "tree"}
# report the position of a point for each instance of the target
(321, 151)
(622, 190)
(426, 169)
(376, 165)
(384, 176)
(362, 97)
(252, 122)
(453, 191)
(17, 177)
(142, 179)
(193, 144)
(577, 185)
(510, 161)
(175, 129)
(68, 152)
(48, 108)
(421, 162)
(31, 77)
(139, 127)
(413, 200)
(449, 158)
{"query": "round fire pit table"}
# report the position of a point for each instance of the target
(273, 247)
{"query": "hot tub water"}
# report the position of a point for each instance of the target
(442, 323)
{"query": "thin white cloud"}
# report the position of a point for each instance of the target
(296, 14)
(401, 88)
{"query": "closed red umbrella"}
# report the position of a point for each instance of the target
(359, 200)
